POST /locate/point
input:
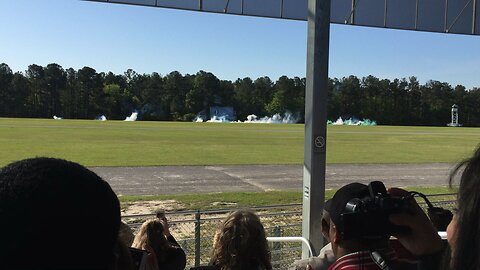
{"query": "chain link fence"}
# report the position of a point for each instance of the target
(194, 230)
(447, 201)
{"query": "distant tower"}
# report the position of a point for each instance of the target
(454, 122)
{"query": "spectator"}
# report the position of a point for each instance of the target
(165, 253)
(357, 252)
(123, 260)
(56, 214)
(240, 243)
(463, 233)
(125, 234)
(326, 256)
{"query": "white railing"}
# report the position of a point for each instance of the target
(292, 239)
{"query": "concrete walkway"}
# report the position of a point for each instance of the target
(205, 179)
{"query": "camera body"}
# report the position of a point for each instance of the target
(368, 218)
(440, 217)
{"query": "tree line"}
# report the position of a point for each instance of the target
(42, 92)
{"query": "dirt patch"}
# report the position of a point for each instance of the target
(224, 204)
(149, 207)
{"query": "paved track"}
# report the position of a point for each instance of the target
(204, 179)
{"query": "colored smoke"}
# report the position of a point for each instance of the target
(132, 117)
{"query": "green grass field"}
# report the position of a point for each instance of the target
(251, 199)
(118, 143)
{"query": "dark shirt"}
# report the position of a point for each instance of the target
(206, 267)
(431, 261)
(175, 258)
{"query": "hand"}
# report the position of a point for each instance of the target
(166, 228)
(423, 238)
(300, 264)
(321, 262)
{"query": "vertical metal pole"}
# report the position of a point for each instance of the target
(197, 238)
(385, 14)
(315, 122)
(446, 17)
(474, 17)
(281, 9)
(276, 248)
(416, 14)
(352, 21)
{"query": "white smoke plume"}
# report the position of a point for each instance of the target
(352, 122)
(101, 118)
(218, 119)
(132, 117)
(287, 118)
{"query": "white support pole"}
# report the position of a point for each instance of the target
(315, 122)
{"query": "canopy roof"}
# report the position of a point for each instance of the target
(445, 16)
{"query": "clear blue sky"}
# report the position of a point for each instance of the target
(112, 37)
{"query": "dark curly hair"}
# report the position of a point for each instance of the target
(56, 214)
(240, 243)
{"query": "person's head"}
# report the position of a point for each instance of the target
(463, 233)
(56, 214)
(151, 236)
(240, 243)
(125, 234)
(334, 208)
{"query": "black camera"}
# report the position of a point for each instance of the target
(368, 217)
(440, 217)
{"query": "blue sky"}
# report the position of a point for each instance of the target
(112, 37)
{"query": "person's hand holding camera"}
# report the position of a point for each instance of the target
(423, 238)
(161, 216)
(166, 228)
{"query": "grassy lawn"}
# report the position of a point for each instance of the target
(231, 199)
(118, 143)
(251, 199)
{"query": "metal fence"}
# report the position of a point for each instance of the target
(194, 230)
